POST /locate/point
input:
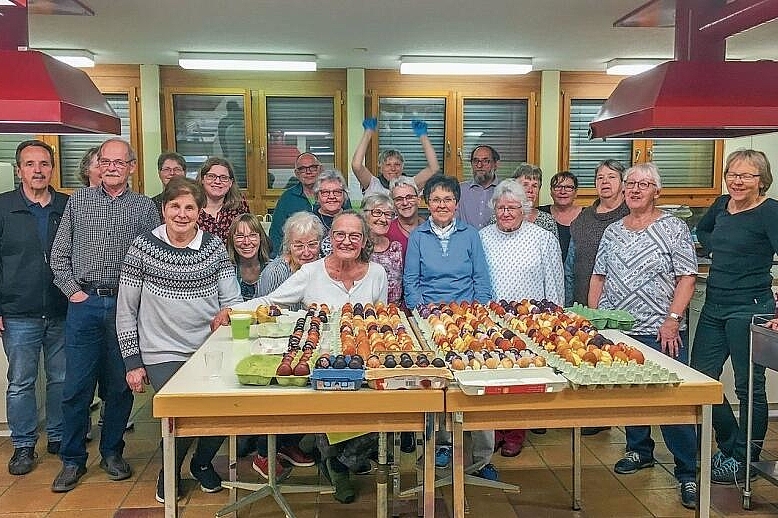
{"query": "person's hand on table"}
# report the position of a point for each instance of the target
(669, 337)
(772, 324)
(137, 379)
(222, 318)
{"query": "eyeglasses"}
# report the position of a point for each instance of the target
(173, 170)
(507, 208)
(246, 237)
(377, 213)
(743, 177)
(308, 168)
(479, 161)
(442, 201)
(105, 163)
(565, 188)
(339, 235)
(642, 184)
(407, 198)
(337, 193)
(310, 245)
(223, 178)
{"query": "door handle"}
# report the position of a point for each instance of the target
(637, 156)
(448, 148)
(459, 154)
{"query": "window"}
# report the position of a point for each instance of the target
(585, 154)
(211, 125)
(395, 132)
(500, 123)
(681, 163)
(73, 147)
(296, 125)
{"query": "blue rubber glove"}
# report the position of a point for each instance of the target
(370, 123)
(419, 127)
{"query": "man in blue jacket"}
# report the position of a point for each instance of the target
(32, 309)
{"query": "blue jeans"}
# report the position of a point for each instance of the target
(681, 439)
(23, 341)
(92, 353)
(724, 331)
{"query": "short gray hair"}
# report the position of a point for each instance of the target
(406, 181)
(376, 200)
(509, 189)
(529, 171)
(131, 156)
(330, 175)
(645, 167)
(301, 223)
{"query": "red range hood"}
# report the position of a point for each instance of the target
(39, 94)
(699, 94)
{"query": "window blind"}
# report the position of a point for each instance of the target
(394, 129)
(585, 154)
(500, 123)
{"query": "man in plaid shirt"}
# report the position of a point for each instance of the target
(97, 228)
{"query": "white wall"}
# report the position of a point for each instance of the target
(768, 143)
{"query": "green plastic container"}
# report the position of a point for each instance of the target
(257, 369)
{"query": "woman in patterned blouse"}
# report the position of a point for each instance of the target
(224, 201)
(379, 212)
(249, 249)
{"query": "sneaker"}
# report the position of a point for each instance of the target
(210, 481)
(730, 471)
(260, 465)
(160, 494)
(593, 430)
(717, 459)
(442, 456)
(489, 472)
(116, 467)
(345, 493)
(364, 469)
(67, 478)
(295, 456)
(407, 442)
(510, 449)
(631, 463)
(22, 461)
(53, 447)
(689, 494)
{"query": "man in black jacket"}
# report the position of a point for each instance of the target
(32, 309)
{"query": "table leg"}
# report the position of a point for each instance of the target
(576, 442)
(429, 463)
(458, 464)
(703, 507)
(232, 455)
(169, 463)
(381, 477)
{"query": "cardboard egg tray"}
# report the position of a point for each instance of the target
(417, 346)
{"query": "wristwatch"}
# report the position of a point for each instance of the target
(675, 316)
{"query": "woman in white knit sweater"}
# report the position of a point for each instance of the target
(173, 280)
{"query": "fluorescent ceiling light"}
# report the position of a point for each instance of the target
(452, 65)
(630, 67)
(74, 57)
(262, 62)
(307, 133)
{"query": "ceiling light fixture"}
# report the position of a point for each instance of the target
(630, 67)
(261, 62)
(453, 65)
(74, 57)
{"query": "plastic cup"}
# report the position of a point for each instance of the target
(213, 363)
(241, 326)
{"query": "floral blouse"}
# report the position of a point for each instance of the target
(392, 259)
(220, 225)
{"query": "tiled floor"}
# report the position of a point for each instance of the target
(542, 470)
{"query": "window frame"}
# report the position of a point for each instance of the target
(599, 86)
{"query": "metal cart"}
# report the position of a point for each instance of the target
(763, 351)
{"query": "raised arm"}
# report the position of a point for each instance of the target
(362, 173)
(433, 167)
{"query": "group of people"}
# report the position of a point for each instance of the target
(119, 290)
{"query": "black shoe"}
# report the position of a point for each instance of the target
(631, 463)
(689, 494)
(407, 442)
(53, 447)
(116, 467)
(538, 431)
(67, 478)
(160, 495)
(593, 430)
(22, 461)
(364, 469)
(210, 481)
(246, 445)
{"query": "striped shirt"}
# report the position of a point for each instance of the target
(94, 235)
(273, 276)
